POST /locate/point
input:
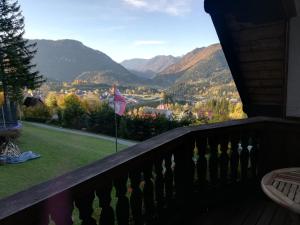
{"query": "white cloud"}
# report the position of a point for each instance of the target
(171, 7)
(149, 42)
(137, 3)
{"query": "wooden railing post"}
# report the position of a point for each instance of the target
(268, 145)
(201, 162)
(235, 158)
(84, 203)
(184, 177)
(149, 194)
(136, 200)
(244, 157)
(159, 185)
(213, 159)
(61, 208)
(224, 160)
(254, 156)
(107, 216)
(122, 207)
(179, 175)
(168, 179)
(42, 217)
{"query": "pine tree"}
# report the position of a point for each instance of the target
(16, 53)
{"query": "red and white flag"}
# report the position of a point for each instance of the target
(118, 102)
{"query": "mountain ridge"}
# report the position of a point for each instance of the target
(191, 58)
(69, 60)
(204, 63)
(155, 64)
(66, 60)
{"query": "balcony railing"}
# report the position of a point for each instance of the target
(159, 180)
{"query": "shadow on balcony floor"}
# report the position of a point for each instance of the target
(254, 209)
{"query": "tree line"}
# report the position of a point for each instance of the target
(95, 116)
(91, 114)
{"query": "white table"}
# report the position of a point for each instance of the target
(283, 187)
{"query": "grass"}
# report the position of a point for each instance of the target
(60, 152)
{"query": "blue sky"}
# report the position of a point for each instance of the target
(122, 29)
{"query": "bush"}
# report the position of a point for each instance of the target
(73, 114)
(102, 120)
(142, 128)
(38, 113)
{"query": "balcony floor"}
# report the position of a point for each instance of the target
(254, 209)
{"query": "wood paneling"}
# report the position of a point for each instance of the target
(269, 44)
(264, 83)
(265, 91)
(259, 56)
(260, 52)
(263, 74)
(266, 99)
(262, 66)
(268, 31)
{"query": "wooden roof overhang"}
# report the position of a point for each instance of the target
(254, 37)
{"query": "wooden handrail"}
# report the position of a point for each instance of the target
(96, 174)
(48, 189)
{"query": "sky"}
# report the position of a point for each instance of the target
(123, 29)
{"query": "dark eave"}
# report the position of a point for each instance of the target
(254, 38)
(253, 10)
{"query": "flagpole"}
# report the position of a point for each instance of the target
(116, 124)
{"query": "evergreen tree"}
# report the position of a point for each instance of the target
(16, 70)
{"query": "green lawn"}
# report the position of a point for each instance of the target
(61, 152)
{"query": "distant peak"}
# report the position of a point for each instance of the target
(192, 58)
(213, 46)
(70, 42)
(60, 41)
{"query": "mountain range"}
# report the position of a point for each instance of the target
(201, 64)
(68, 60)
(150, 67)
